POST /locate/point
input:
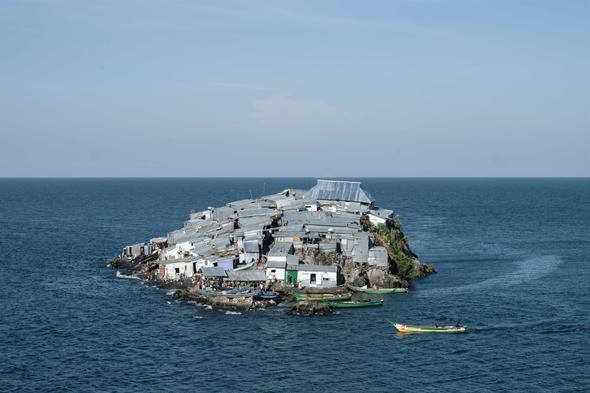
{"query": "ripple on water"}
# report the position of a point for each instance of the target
(525, 270)
(68, 324)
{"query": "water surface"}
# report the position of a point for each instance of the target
(513, 261)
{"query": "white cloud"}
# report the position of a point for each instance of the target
(287, 113)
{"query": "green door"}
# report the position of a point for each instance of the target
(291, 276)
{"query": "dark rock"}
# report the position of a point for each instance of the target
(312, 308)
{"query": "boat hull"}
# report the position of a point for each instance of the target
(321, 297)
(380, 291)
(266, 296)
(353, 304)
(403, 328)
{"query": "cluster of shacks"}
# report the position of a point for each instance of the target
(296, 236)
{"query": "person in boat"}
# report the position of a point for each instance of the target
(458, 325)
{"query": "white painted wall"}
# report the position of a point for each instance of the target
(323, 279)
(170, 269)
(178, 250)
(275, 273)
(184, 267)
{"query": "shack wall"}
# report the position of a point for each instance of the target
(275, 273)
(322, 279)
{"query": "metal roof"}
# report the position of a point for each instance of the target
(338, 190)
(378, 256)
(289, 234)
(254, 212)
(173, 261)
(360, 252)
(383, 213)
(322, 218)
(276, 264)
(292, 259)
(241, 203)
(314, 268)
(214, 272)
(251, 245)
(281, 248)
(246, 275)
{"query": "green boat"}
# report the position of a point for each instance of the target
(354, 304)
(379, 291)
(321, 297)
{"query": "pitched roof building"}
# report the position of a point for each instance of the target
(339, 190)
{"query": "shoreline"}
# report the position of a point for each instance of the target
(327, 239)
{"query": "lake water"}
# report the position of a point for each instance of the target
(513, 261)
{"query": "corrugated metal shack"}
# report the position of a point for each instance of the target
(280, 228)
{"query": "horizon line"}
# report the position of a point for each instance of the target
(292, 177)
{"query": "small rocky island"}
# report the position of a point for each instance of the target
(320, 247)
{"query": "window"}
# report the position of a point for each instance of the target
(273, 270)
(312, 278)
(177, 270)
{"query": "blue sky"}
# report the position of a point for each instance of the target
(310, 88)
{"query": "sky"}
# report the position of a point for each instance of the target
(294, 88)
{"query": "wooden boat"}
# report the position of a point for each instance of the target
(266, 295)
(354, 304)
(321, 297)
(404, 328)
(379, 291)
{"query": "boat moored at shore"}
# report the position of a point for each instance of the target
(378, 291)
(321, 297)
(355, 303)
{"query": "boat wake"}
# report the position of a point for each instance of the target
(233, 313)
(543, 327)
(529, 269)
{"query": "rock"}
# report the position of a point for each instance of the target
(312, 308)
(183, 294)
(223, 302)
(384, 279)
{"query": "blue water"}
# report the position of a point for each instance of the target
(513, 261)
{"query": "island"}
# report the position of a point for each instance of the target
(319, 247)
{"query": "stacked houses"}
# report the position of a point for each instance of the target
(300, 237)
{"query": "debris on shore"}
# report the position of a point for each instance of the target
(255, 252)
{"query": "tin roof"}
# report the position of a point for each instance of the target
(338, 190)
(281, 248)
(276, 264)
(246, 275)
(378, 256)
(383, 213)
(314, 268)
(213, 272)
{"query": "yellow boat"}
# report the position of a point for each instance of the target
(404, 328)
